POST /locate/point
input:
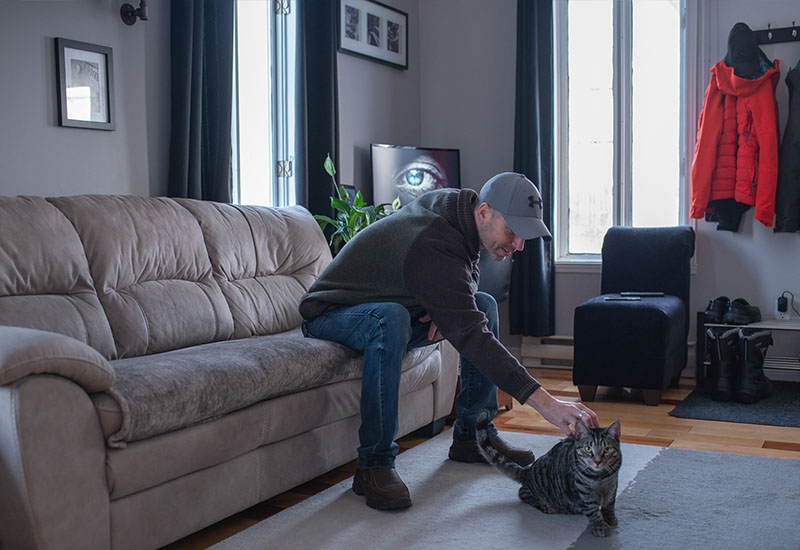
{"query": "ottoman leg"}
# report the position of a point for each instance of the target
(587, 392)
(652, 397)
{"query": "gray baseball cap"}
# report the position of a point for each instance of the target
(520, 203)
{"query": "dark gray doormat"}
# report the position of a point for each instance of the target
(781, 409)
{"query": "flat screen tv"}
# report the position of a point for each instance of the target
(407, 172)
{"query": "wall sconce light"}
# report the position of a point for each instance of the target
(129, 13)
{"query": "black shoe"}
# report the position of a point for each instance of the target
(753, 385)
(741, 313)
(467, 451)
(716, 309)
(383, 488)
(724, 373)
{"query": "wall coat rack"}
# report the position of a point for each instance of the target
(776, 36)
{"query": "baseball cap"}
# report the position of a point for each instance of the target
(520, 203)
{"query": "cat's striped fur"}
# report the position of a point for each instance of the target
(577, 476)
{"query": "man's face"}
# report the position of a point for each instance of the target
(496, 237)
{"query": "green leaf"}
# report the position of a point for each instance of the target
(329, 167)
(350, 218)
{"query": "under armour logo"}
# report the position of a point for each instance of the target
(534, 202)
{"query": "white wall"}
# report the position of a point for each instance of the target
(38, 157)
(753, 263)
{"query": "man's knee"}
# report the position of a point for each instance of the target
(488, 305)
(394, 319)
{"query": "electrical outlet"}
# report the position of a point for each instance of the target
(781, 308)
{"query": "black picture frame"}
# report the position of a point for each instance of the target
(374, 31)
(85, 80)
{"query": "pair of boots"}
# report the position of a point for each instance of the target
(737, 364)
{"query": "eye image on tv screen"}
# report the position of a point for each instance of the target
(407, 172)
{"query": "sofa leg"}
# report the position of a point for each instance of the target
(430, 430)
(587, 392)
(652, 397)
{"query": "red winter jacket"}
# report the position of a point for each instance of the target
(736, 156)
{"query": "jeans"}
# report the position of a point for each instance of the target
(384, 332)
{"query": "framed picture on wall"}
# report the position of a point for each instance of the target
(406, 172)
(85, 77)
(374, 31)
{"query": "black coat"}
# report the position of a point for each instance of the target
(787, 196)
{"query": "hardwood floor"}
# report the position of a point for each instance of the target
(640, 424)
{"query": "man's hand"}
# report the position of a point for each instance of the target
(563, 414)
(433, 332)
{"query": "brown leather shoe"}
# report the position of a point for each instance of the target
(467, 451)
(383, 488)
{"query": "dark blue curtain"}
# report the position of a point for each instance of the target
(317, 131)
(532, 293)
(202, 92)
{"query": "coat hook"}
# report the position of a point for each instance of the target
(769, 31)
(794, 30)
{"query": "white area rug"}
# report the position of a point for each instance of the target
(456, 505)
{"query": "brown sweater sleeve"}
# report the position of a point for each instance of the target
(440, 276)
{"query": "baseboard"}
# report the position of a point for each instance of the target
(556, 352)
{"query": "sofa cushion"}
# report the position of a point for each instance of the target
(147, 463)
(264, 260)
(151, 271)
(46, 283)
(163, 392)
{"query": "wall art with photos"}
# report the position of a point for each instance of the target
(375, 31)
(85, 85)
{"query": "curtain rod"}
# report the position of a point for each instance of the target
(775, 36)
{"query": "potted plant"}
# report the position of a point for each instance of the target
(351, 217)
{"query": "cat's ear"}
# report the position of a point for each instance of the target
(581, 429)
(615, 430)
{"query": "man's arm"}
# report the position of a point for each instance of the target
(563, 414)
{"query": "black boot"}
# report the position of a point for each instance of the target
(723, 343)
(753, 384)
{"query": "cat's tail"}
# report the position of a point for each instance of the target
(492, 455)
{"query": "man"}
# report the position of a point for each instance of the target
(411, 279)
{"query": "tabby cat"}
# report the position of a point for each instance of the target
(577, 476)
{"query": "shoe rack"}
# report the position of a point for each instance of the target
(777, 367)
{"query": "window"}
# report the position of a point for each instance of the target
(263, 134)
(618, 119)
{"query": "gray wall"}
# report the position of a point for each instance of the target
(377, 104)
(38, 157)
(458, 92)
(466, 85)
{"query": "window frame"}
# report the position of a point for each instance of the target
(691, 13)
(281, 21)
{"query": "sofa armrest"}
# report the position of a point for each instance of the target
(447, 385)
(53, 485)
(25, 351)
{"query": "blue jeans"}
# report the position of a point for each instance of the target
(384, 332)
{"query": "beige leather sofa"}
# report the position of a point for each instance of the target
(153, 376)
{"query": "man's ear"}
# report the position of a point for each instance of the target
(483, 213)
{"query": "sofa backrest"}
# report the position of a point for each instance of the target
(45, 282)
(264, 260)
(151, 271)
(132, 276)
